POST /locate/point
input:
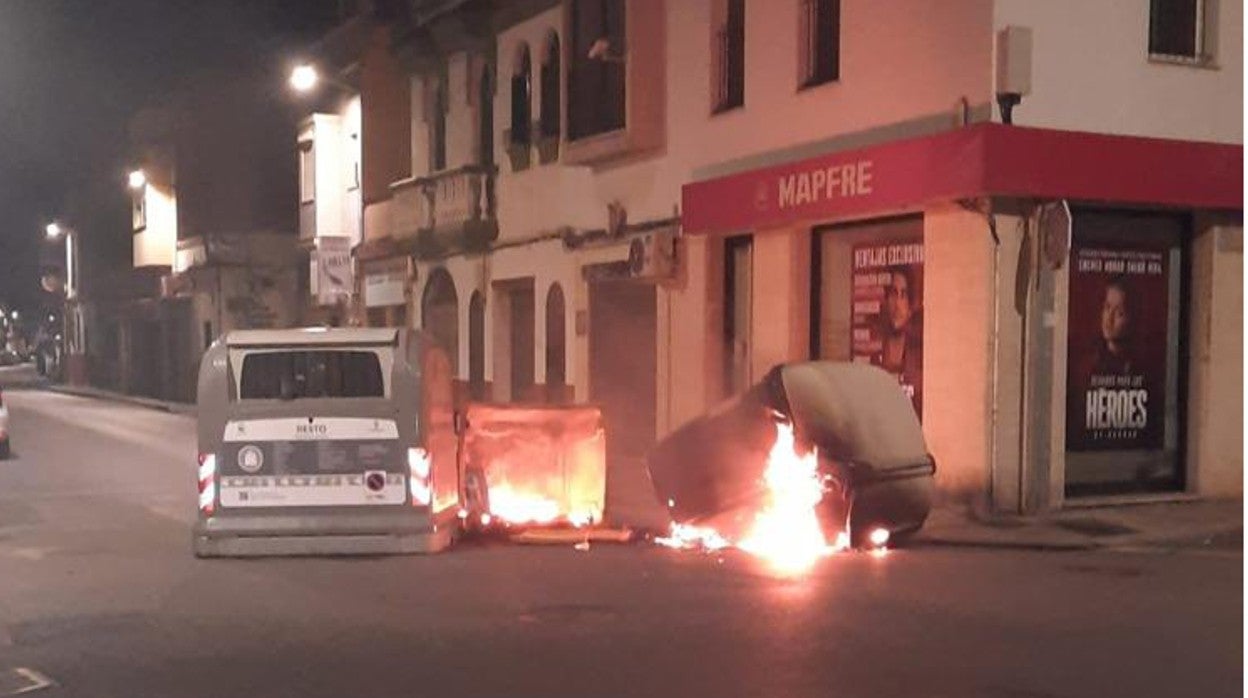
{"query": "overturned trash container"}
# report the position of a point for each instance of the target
(876, 469)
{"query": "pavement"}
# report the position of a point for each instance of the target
(1164, 524)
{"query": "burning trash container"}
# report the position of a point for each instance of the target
(718, 472)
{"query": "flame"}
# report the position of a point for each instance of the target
(514, 506)
(786, 532)
(686, 536)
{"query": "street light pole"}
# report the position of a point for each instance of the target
(66, 342)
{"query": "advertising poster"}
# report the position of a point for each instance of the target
(1116, 361)
(887, 312)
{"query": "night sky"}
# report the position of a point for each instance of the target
(72, 72)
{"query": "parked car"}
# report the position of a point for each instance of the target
(4, 428)
(10, 358)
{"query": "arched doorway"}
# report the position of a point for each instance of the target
(556, 346)
(476, 347)
(439, 313)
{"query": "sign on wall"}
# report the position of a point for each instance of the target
(331, 270)
(1116, 370)
(887, 312)
(385, 282)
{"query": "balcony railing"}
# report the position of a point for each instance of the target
(453, 208)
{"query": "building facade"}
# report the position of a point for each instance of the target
(646, 204)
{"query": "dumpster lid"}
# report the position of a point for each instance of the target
(854, 412)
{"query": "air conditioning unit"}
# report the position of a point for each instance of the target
(652, 257)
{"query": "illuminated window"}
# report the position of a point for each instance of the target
(1177, 29)
(820, 41)
(729, 48)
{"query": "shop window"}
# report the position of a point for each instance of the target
(476, 346)
(556, 341)
(596, 72)
(1126, 344)
(729, 58)
(738, 312)
(820, 37)
(867, 300)
(1177, 30)
(522, 97)
(551, 108)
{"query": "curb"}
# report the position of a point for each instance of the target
(149, 403)
(924, 542)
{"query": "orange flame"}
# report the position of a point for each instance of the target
(786, 533)
(513, 506)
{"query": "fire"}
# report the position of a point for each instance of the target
(686, 536)
(786, 532)
(514, 506)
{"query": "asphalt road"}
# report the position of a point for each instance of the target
(100, 594)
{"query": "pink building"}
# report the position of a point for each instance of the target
(648, 203)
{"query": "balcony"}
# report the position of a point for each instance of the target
(453, 210)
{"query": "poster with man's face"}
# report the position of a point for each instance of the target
(1116, 363)
(887, 313)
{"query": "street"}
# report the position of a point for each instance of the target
(99, 593)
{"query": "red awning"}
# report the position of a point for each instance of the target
(981, 160)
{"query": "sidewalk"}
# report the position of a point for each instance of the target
(1215, 524)
(99, 394)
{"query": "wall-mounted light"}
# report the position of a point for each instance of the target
(137, 179)
(53, 230)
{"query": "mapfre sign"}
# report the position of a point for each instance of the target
(980, 160)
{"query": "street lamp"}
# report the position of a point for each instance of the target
(53, 230)
(304, 77)
(137, 179)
